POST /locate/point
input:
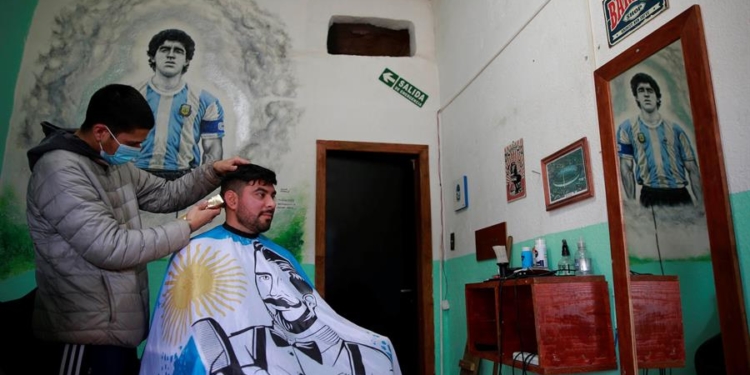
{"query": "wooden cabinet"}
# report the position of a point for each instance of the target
(565, 320)
(657, 317)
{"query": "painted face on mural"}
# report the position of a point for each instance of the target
(646, 97)
(256, 207)
(170, 59)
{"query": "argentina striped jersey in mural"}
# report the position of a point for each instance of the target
(659, 152)
(183, 117)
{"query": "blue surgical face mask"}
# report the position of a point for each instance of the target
(123, 154)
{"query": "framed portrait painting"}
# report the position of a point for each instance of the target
(667, 197)
(515, 171)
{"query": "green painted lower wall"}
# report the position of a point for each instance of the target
(15, 20)
(740, 204)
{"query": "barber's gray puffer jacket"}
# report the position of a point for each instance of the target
(91, 251)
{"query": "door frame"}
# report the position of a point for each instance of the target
(423, 226)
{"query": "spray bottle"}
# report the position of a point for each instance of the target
(566, 266)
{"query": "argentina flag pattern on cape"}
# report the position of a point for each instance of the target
(233, 304)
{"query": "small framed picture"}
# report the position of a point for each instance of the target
(460, 194)
(515, 171)
(567, 175)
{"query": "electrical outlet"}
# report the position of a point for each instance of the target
(445, 305)
(453, 241)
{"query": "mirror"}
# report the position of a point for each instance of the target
(667, 199)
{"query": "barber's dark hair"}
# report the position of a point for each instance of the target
(645, 78)
(122, 108)
(244, 174)
(174, 35)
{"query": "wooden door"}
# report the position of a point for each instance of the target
(373, 252)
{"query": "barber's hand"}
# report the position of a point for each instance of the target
(228, 165)
(201, 215)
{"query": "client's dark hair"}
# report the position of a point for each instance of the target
(245, 174)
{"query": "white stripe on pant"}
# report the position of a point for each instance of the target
(73, 354)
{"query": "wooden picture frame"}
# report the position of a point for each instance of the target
(566, 175)
(684, 33)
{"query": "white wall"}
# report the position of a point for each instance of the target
(470, 33)
(511, 71)
(539, 88)
(343, 99)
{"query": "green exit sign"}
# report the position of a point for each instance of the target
(403, 87)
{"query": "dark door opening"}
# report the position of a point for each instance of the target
(373, 262)
(370, 246)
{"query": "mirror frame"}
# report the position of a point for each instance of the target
(688, 29)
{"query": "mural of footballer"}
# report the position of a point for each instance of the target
(185, 114)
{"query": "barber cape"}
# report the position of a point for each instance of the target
(235, 304)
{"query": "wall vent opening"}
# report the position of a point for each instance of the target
(370, 37)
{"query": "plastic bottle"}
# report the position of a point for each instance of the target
(526, 257)
(540, 252)
(583, 261)
(566, 266)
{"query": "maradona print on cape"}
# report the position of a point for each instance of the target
(231, 304)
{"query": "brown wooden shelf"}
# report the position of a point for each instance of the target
(565, 320)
